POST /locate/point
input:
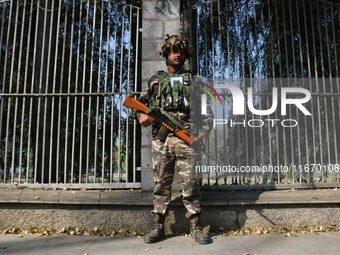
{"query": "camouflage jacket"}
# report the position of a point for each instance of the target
(191, 119)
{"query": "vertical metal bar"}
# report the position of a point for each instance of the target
(196, 39)
(105, 86)
(82, 118)
(237, 178)
(21, 147)
(273, 76)
(47, 86)
(61, 86)
(280, 75)
(128, 89)
(67, 124)
(336, 43)
(98, 98)
(212, 40)
(263, 162)
(302, 72)
(227, 75)
(329, 161)
(54, 149)
(257, 56)
(316, 87)
(247, 52)
(90, 98)
(10, 89)
(222, 69)
(214, 64)
(2, 104)
(135, 89)
(337, 81)
(311, 88)
(204, 12)
(41, 91)
(112, 105)
(322, 76)
(32, 86)
(220, 41)
(286, 76)
(75, 103)
(17, 90)
(29, 149)
(299, 149)
(292, 146)
(243, 66)
(4, 8)
(120, 93)
(69, 65)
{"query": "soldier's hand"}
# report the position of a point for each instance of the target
(145, 120)
(201, 138)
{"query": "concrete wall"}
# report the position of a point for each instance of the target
(130, 210)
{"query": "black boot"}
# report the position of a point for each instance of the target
(157, 232)
(196, 231)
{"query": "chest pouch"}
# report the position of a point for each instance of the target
(174, 91)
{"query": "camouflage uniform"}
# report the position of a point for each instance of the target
(174, 154)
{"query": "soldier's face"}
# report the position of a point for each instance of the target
(177, 56)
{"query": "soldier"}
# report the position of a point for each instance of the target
(170, 91)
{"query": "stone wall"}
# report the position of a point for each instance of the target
(158, 18)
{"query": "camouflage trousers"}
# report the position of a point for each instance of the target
(167, 157)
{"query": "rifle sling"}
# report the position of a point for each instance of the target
(173, 120)
(163, 131)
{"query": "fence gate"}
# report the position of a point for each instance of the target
(266, 44)
(66, 67)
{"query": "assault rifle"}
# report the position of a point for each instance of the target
(169, 123)
(162, 118)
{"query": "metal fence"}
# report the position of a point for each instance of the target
(65, 68)
(266, 44)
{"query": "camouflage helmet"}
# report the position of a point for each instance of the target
(175, 42)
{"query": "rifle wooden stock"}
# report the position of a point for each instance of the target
(135, 104)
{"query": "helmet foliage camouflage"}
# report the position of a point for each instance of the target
(175, 42)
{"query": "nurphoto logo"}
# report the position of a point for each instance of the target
(288, 96)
